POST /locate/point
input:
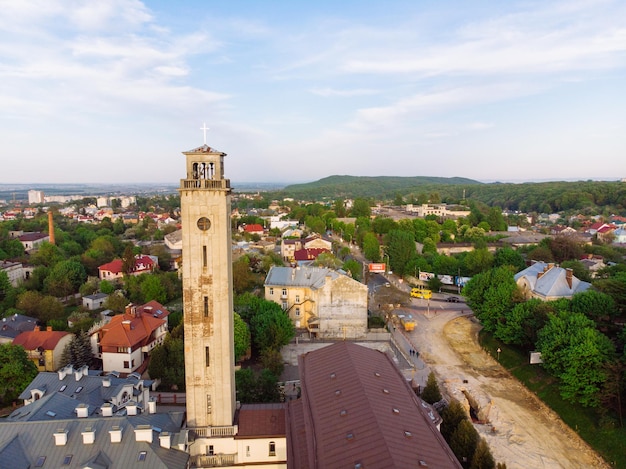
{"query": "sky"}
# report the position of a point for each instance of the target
(113, 91)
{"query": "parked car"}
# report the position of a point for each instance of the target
(453, 299)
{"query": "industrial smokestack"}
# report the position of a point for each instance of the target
(50, 227)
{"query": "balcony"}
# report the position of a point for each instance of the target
(223, 184)
(216, 460)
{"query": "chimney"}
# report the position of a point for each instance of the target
(131, 408)
(37, 329)
(165, 440)
(63, 372)
(82, 410)
(106, 382)
(107, 409)
(127, 324)
(152, 406)
(50, 227)
(82, 371)
(569, 275)
(60, 437)
(48, 328)
(143, 433)
(89, 436)
(539, 275)
(116, 434)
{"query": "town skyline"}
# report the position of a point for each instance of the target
(527, 91)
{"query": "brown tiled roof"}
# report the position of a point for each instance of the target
(32, 340)
(125, 330)
(32, 236)
(261, 421)
(141, 263)
(308, 254)
(359, 409)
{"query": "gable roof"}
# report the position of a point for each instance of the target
(141, 263)
(32, 237)
(32, 340)
(550, 280)
(308, 254)
(12, 326)
(253, 228)
(129, 330)
(312, 277)
(356, 407)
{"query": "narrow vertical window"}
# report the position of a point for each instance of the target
(206, 306)
(206, 356)
(272, 448)
(204, 256)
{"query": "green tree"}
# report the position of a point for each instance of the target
(431, 392)
(361, 208)
(464, 441)
(270, 327)
(153, 289)
(400, 249)
(478, 260)
(354, 267)
(16, 372)
(78, 351)
(521, 324)
(243, 279)
(328, 260)
(116, 302)
(242, 337)
(509, 256)
(167, 363)
(106, 287)
(65, 278)
(483, 459)
(452, 416)
(47, 254)
(371, 247)
(128, 259)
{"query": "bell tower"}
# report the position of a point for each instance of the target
(207, 290)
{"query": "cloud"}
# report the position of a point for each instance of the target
(329, 92)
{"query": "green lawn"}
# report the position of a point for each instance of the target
(608, 440)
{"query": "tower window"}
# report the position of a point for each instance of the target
(207, 356)
(211, 451)
(206, 306)
(272, 448)
(204, 256)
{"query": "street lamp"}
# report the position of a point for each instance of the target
(499, 350)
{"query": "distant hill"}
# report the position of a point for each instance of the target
(376, 186)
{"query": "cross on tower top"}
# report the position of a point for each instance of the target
(204, 128)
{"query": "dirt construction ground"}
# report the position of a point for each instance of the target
(520, 429)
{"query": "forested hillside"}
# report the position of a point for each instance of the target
(544, 197)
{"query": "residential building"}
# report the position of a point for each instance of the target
(44, 348)
(548, 281)
(114, 269)
(12, 326)
(357, 410)
(307, 256)
(32, 241)
(15, 271)
(254, 228)
(322, 301)
(124, 343)
(35, 197)
(95, 301)
(439, 210)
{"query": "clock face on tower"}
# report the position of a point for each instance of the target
(204, 223)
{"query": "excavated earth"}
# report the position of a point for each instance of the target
(521, 430)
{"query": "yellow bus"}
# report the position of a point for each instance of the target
(421, 293)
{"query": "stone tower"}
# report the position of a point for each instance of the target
(207, 291)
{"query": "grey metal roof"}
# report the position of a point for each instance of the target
(23, 443)
(552, 282)
(311, 277)
(12, 326)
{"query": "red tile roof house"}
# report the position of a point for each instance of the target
(254, 229)
(44, 348)
(125, 342)
(307, 256)
(113, 270)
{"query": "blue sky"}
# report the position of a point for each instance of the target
(114, 91)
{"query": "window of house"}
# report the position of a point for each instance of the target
(247, 451)
(297, 298)
(132, 363)
(211, 451)
(125, 363)
(41, 460)
(284, 292)
(67, 459)
(284, 305)
(272, 448)
(121, 350)
(142, 456)
(271, 291)
(297, 311)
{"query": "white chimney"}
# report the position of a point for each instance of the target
(89, 436)
(106, 382)
(143, 433)
(152, 406)
(107, 409)
(82, 410)
(131, 408)
(82, 371)
(63, 372)
(60, 437)
(116, 434)
(165, 440)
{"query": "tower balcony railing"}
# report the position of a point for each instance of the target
(205, 184)
(215, 432)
